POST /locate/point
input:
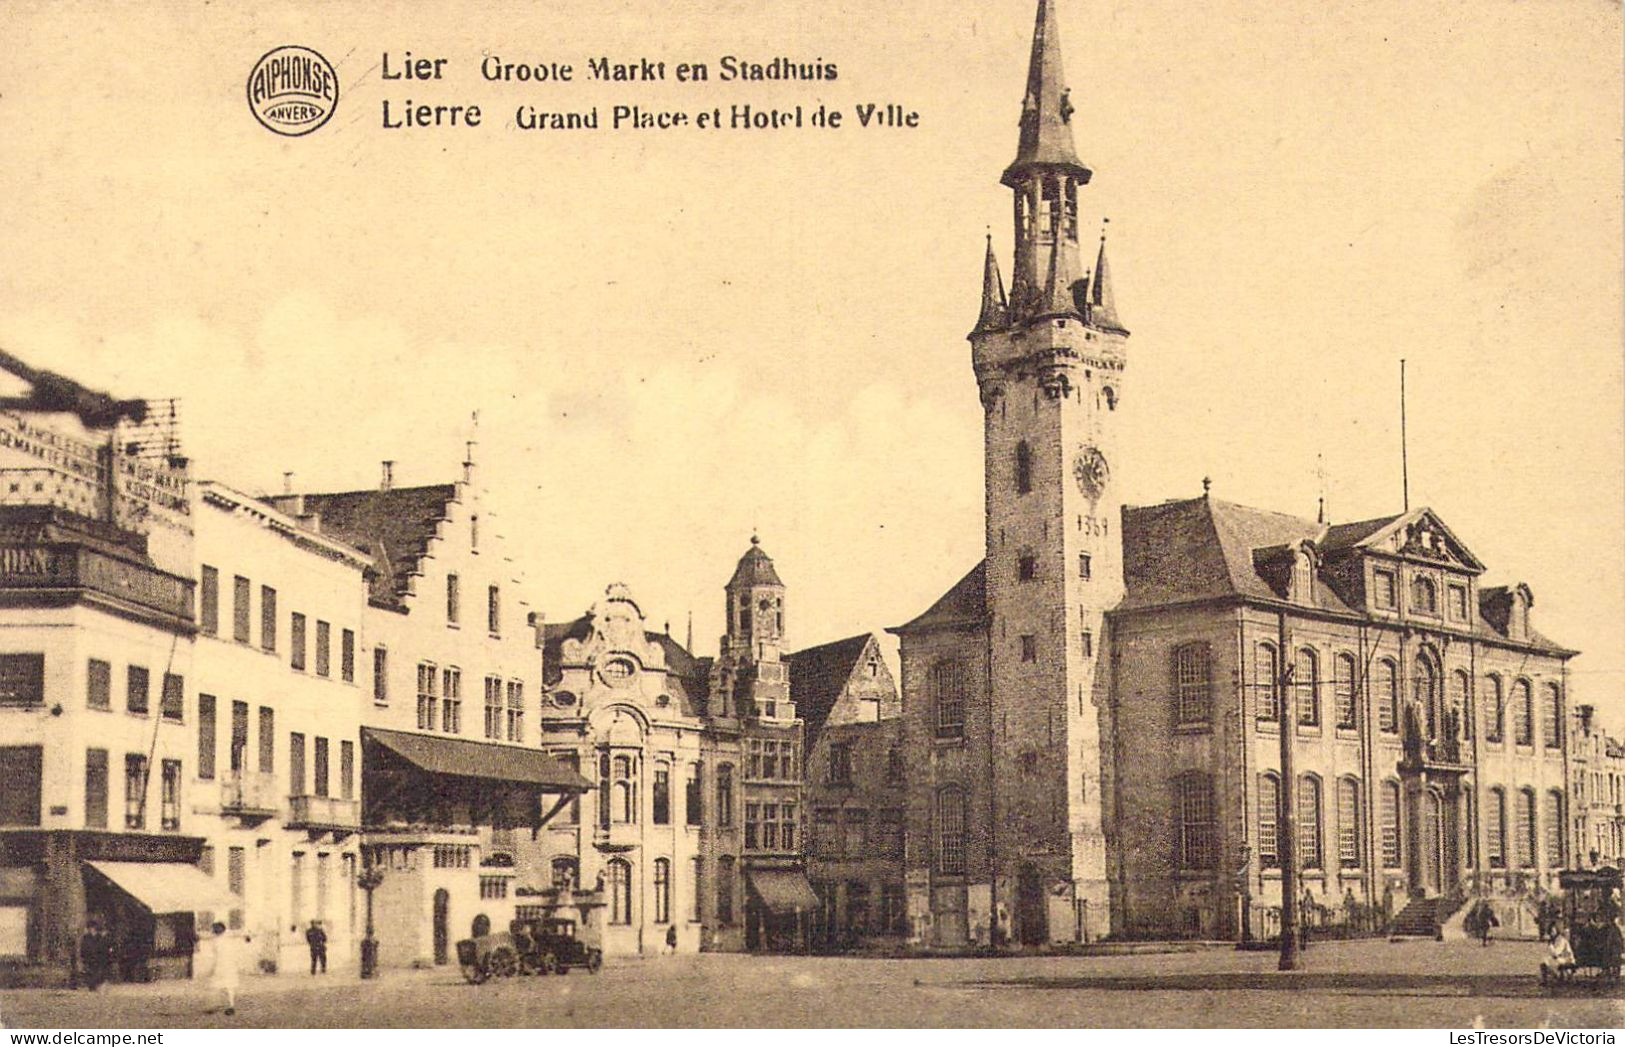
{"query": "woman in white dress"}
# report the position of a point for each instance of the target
(228, 960)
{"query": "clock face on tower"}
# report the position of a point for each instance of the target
(1091, 471)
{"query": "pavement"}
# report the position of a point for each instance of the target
(1368, 983)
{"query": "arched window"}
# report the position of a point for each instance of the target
(1461, 701)
(948, 695)
(1495, 710)
(662, 890)
(1523, 714)
(1193, 684)
(1024, 468)
(1526, 828)
(1385, 691)
(565, 872)
(620, 890)
(1110, 396)
(1551, 716)
(1425, 689)
(1269, 818)
(1193, 807)
(1424, 596)
(1267, 682)
(1309, 821)
(1306, 685)
(1555, 856)
(951, 830)
(1344, 689)
(1348, 823)
(1390, 825)
(725, 794)
(1495, 827)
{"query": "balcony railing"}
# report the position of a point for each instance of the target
(323, 812)
(249, 795)
(61, 566)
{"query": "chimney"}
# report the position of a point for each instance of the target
(287, 483)
(1586, 712)
(388, 480)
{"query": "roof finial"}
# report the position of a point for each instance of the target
(1207, 485)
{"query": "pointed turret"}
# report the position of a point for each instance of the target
(1059, 299)
(995, 307)
(1102, 304)
(1046, 111)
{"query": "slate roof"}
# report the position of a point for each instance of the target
(755, 568)
(393, 526)
(964, 605)
(818, 674)
(1046, 110)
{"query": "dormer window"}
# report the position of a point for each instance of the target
(1384, 593)
(1424, 596)
(1303, 576)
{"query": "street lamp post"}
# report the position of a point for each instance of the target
(371, 877)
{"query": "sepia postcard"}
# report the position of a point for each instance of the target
(720, 515)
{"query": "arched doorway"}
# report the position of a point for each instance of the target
(481, 927)
(1031, 918)
(442, 926)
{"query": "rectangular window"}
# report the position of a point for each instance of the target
(493, 610)
(347, 655)
(22, 769)
(1196, 828)
(1386, 593)
(948, 693)
(428, 701)
(380, 675)
(572, 816)
(267, 618)
(135, 791)
(1390, 825)
(136, 698)
(694, 797)
(296, 629)
(1084, 567)
(296, 764)
(725, 795)
(662, 796)
(516, 711)
(451, 701)
(95, 788)
(1267, 683)
(1309, 823)
(1348, 824)
(267, 740)
(699, 890)
(454, 601)
(725, 890)
(787, 825)
(321, 767)
(1027, 568)
(241, 611)
(493, 707)
(753, 819)
(236, 877)
(99, 684)
(951, 832)
(209, 601)
(1343, 691)
(840, 763)
(1088, 643)
(1458, 602)
(173, 704)
(324, 654)
(169, 808)
(1029, 648)
(347, 770)
(855, 826)
(770, 826)
(1269, 814)
(239, 737)
(1192, 683)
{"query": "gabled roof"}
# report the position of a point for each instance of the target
(819, 674)
(393, 526)
(963, 606)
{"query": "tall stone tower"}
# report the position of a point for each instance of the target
(751, 665)
(1049, 361)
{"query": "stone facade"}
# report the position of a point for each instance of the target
(1597, 784)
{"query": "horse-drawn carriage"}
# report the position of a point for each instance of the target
(547, 946)
(1590, 921)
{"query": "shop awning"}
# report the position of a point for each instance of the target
(164, 887)
(782, 890)
(467, 759)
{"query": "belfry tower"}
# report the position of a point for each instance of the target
(1049, 361)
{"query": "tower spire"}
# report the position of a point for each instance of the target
(995, 307)
(1046, 110)
(1102, 303)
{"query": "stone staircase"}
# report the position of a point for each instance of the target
(1423, 918)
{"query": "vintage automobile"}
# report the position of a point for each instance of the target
(1590, 920)
(528, 947)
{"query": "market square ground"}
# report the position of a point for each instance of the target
(1344, 984)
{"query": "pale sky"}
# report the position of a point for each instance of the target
(675, 337)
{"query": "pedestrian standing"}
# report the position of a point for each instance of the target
(671, 940)
(95, 955)
(316, 938)
(228, 961)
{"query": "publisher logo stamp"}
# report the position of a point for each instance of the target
(292, 90)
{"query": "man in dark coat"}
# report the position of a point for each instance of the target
(316, 938)
(95, 955)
